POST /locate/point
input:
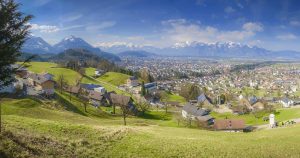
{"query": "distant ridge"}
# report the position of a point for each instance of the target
(76, 54)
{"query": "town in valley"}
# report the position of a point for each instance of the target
(197, 78)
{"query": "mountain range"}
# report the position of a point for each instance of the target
(37, 45)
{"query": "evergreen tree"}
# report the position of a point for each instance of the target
(13, 32)
(143, 90)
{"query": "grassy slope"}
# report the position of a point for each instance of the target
(69, 75)
(175, 98)
(65, 134)
(113, 78)
(280, 115)
(36, 129)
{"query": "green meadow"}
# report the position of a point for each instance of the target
(62, 128)
(39, 129)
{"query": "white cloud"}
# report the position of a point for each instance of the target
(288, 36)
(44, 28)
(229, 9)
(253, 27)
(295, 23)
(103, 25)
(182, 31)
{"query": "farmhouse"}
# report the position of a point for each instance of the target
(203, 99)
(122, 100)
(230, 125)
(92, 87)
(73, 90)
(150, 87)
(42, 82)
(97, 99)
(195, 113)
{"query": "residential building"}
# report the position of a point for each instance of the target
(230, 125)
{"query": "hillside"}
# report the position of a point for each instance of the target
(61, 127)
(77, 54)
(40, 67)
(114, 78)
(35, 130)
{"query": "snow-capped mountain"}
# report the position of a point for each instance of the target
(37, 45)
(118, 47)
(73, 42)
(227, 49)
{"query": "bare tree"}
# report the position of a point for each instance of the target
(61, 82)
(85, 103)
(163, 98)
(125, 110)
(81, 71)
(143, 105)
(178, 118)
(84, 98)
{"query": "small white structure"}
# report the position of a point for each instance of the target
(100, 89)
(241, 96)
(98, 72)
(272, 121)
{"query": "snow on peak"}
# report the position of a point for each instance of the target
(118, 44)
(70, 38)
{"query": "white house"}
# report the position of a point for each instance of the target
(286, 102)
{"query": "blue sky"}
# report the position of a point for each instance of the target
(270, 24)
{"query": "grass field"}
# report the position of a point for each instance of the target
(176, 98)
(36, 130)
(280, 115)
(113, 78)
(40, 67)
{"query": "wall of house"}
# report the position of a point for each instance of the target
(48, 87)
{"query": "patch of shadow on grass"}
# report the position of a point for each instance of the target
(154, 117)
(69, 106)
